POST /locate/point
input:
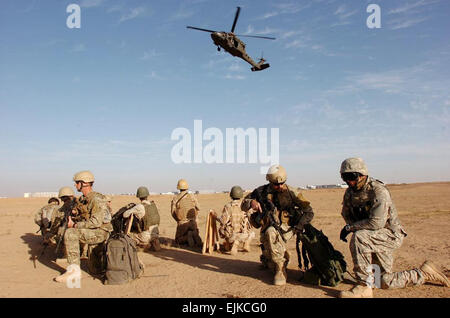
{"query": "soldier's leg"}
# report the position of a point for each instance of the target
(278, 253)
(196, 234)
(181, 233)
(74, 237)
(154, 237)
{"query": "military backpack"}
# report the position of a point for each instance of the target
(328, 264)
(122, 263)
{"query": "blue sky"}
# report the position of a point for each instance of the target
(106, 97)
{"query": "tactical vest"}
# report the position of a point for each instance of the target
(185, 208)
(151, 216)
(237, 218)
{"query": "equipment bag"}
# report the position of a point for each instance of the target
(122, 263)
(328, 264)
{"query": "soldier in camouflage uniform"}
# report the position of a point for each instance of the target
(371, 216)
(66, 195)
(184, 209)
(44, 217)
(234, 223)
(94, 226)
(147, 235)
(289, 212)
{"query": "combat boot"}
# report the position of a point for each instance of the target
(358, 291)
(280, 275)
(190, 239)
(72, 272)
(433, 275)
(234, 249)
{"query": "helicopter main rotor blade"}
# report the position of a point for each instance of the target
(257, 36)
(235, 19)
(200, 29)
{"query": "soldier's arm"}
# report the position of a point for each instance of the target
(246, 204)
(138, 210)
(346, 209)
(98, 208)
(224, 217)
(378, 213)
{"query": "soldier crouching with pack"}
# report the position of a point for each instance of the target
(282, 211)
(184, 209)
(93, 228)
(234, 223)
(147, 232)
(371, 216)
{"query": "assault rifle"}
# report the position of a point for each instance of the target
(117, 220)
(65, 221)
(268, 210)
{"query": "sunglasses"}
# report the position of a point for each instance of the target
(350, 176)
(277, 184)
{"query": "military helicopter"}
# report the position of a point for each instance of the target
(233, 45)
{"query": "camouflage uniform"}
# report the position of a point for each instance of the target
(372, 216)
(94, 227)
(273, 242)
(45, 217)
(146, 236)
(234, 223)
(184, 209)
(55, 231)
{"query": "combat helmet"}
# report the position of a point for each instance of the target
(236, 192)
(182, 185)
(65, 192)
(276, 174)
(142, 192)
(85, 176)
(354, 165)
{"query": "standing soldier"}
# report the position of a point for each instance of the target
(146, 212)
(93, 228)
(44, 216)
(281, 212)
(235, 227)
(371, 216)
(184, 210)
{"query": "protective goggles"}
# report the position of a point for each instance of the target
(350, 176)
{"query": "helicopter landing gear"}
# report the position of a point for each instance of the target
(218, 48)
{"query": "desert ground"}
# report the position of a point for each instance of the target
(424, 211)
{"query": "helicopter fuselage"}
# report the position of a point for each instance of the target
(229, 42)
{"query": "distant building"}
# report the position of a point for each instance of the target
(40, 194)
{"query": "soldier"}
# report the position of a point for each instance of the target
(184, 210)
(66, 195)
(281, 212)
(371, 216)
(146, 212)
(93, 228)
(235, 227)
(44, 216)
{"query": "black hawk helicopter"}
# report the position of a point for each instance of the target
(233, 45)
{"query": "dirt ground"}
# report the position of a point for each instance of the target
(176, 272)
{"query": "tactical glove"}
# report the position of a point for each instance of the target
(344, 233)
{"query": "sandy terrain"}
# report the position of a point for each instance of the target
(174, 272)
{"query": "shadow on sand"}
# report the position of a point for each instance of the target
(35, 248)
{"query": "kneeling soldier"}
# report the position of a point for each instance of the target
(235, 227)
(147, 232)
(372, 217)
(93, 228)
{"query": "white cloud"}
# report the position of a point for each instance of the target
(407, 7)
(149, 55)
(235, 77)
(406, 22)
(132, 14)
